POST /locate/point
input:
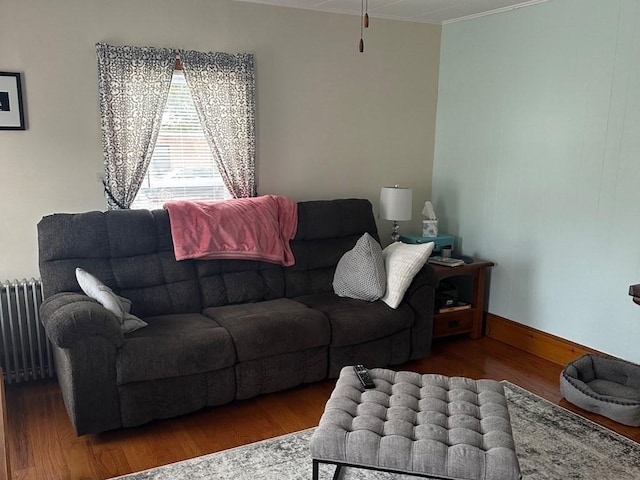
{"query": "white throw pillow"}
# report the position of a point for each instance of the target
(117, 305)
(131, 323)
(360, 272)
(402, 261)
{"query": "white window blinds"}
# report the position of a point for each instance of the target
(182, 166)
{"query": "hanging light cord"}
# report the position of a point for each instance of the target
(361, 24)
(366, 14)
(364, 21)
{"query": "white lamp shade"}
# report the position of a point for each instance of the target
(395, 203)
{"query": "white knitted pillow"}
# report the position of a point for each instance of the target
(402, 261)
(360, 272)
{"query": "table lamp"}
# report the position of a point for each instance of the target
(395, 204)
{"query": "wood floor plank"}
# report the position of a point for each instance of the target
(80, 460)
(144, 451)
(5, 460)
(21, 452)
(48, 453)
(108, 460)
(42, 443)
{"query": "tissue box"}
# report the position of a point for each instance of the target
(430, 228)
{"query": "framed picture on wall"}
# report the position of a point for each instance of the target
(11, 109)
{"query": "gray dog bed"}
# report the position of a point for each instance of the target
(607, 386)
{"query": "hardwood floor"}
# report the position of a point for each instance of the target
(42, 444)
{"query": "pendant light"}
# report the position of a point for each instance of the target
(364, 21)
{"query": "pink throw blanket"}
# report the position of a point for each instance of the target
(257, 228)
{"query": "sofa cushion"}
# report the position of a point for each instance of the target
(224, 282)
(326, 230)
(130, 251)
(360, 272)
(172, 346)
(273, 327)
(329, 219)
(356, 321)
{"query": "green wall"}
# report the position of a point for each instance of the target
(537, 163)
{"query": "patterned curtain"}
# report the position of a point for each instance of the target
(133, 86)
(223, 90)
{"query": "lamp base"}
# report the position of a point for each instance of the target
(395, 236)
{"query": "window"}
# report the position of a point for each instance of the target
(134, 84)
(182, 166)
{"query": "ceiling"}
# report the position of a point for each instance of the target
(439, 12)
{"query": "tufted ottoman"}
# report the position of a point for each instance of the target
(425, 425)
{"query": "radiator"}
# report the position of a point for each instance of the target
(25, 350)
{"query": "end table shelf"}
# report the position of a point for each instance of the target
(464, 321)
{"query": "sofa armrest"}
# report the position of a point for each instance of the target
(420, 296)
(69, 317)
(85, 338)
(426, 276)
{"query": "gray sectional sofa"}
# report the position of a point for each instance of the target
(218, 330)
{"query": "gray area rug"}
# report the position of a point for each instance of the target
(552, 443)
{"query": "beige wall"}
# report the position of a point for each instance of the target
(330, 122)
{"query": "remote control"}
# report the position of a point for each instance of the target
(363, 376)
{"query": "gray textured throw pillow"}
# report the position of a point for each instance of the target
(360, 272)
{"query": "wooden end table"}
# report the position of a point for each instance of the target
(471, 320)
